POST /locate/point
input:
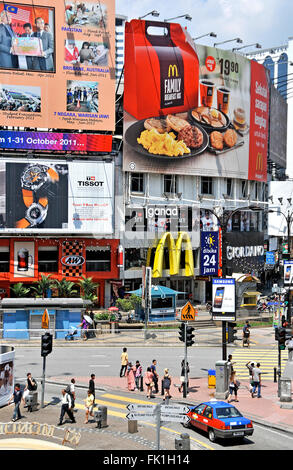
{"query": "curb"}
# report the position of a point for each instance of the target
(253, 418)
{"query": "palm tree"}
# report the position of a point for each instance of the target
(89, 288)
(43, 285)
(65, 288)
(19, 290)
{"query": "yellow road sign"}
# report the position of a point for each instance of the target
(45, 320)
(188, 312)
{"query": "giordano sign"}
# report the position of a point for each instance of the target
(67, 436)
(174, 250)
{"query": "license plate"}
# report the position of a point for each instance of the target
(238, 433)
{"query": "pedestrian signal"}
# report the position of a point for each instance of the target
(182, 332)
(189, 335)
(46, 344)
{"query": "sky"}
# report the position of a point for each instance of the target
(268, 22)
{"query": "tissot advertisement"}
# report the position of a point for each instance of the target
(223, 298)
(209, 106)
(244, 252)
(57, 63)
(75, 197)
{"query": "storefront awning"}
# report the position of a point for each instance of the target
(251, 293)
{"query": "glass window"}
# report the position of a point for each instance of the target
(137, 181)
(228, 412)
(206, 185)
(199, 409)
(162, 303)
(48, 259)
(208, 412)
(170, 184)
(4, 261)
(243, 188)
(98, 259)
(229, 186)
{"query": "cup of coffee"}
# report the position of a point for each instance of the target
(223, 97)
(206, 92)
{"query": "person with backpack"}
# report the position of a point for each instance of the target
(31, 385)
(166, 384)
(71, 390)
(246, 334)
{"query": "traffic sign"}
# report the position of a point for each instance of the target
(45, 320)
(179, 409)
(140, 416)
(175, 417)
(188, 312)
(138, 407)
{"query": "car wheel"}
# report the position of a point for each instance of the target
(212, 436)
(186, 425)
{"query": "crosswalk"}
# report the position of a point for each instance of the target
(268, 359)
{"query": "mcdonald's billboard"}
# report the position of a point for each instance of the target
(171, 254)
(190, 108)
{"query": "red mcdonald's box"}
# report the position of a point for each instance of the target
(161, 73)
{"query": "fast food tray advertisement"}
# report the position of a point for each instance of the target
(57, 64)
(191, 109)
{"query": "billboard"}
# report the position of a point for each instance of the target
(209, 254)
(57, 64)
(56, 197)
(209, 112)
(223, 299)
(244, 252)
(288, 271)
(7, 356)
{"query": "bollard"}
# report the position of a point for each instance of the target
(275, 375)
(98, 418)
(132, 426)
(31, 400)
(141, 384)
(103, 410)
(183, 442)
(162, 390)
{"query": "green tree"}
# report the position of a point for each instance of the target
(43, 285)
(19, 290)
(65, 288)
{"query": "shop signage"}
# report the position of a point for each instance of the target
(209, 253)
(244, 251)
(270, 257)
(72, 260)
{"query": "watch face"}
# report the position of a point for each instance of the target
(34, 177)
(36, 214)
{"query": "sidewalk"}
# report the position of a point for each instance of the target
(265, 410)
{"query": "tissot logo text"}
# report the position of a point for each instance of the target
(90, 181)
(72, 260)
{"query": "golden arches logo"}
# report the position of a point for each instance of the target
(259, 162)
(174, 249)
(173, 70)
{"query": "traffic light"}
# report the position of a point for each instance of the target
(232, 332)
(46, 344)
(282, 338)
(189, 335)
(182, 332)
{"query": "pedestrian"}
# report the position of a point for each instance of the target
(89, 405)
(250, 366)
(246, 334)
(256, 378)
(167, 384)
(66, 407)
(182, 376)
(138, 375)
(130, 374)
(124, 362)
(149, 381)
(230, 363)
(233, 387)
(16, 397)
(31, 385)
(92, 386)
(155, 374)
(85, 326)
(71, 390)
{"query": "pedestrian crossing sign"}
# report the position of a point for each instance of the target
(188, 312)
(45, 320)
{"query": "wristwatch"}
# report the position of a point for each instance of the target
(32, 179)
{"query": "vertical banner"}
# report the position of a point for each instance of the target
(209, 254)
(24, 256)
(259, 122)
(6, 374)
(288, 271)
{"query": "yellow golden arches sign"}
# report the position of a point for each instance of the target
(174, 249)
(173, 71)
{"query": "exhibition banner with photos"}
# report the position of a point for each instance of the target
(56, 197)
(223, 299)
(57, 64)
(209, 108)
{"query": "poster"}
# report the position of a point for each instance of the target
(57, 64)
(24, 259)
(288, 272)
(210, 106)
(57, 197)
(209, 254)
(6, 374)
(223, 299)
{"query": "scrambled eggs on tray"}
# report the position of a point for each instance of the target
(162, 144)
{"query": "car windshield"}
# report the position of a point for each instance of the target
(228, 412)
